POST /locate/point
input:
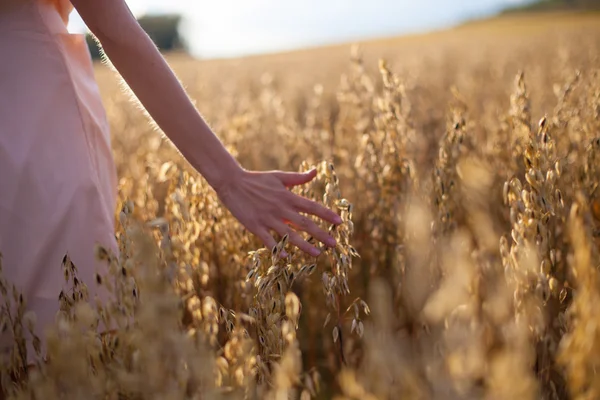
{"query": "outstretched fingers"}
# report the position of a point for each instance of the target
(313, 208)
(295, 238)
(305, 224)
(291, 179)
(266, 238)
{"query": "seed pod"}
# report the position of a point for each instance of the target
(545, 267)
(504, 247)
(559, 198)
(292, 306)
(360, 329)
(525, 198)
(516, 185)
(325, 279)
(343, 204)
(545, 137)
(513, 216)
(366, 308)
(553, 256)
(531, 178)
(539, 177)
(563, 295)
(550, 177)
(327, 319)
(250, 274)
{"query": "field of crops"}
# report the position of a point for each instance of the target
(466, 167)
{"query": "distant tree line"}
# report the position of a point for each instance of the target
(162, 29)
(549, 5)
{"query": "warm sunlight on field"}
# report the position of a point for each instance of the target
(465, 165)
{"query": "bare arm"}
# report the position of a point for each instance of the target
(259, 200)
(144, 69)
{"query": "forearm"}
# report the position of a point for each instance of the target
(155, 85)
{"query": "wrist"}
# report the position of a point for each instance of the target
(208, 156)
(223, 175)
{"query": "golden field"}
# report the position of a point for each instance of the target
(465, 164)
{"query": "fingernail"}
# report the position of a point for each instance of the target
(331, 242)
(315, 252)
(338, 220)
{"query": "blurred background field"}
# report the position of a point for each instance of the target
(480, 58)
(232, 29)
(464, 161)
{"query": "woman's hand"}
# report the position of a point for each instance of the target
(262, 202)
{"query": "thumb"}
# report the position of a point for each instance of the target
(290, 179)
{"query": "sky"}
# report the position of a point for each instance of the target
(232, 28)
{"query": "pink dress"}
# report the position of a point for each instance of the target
(57, 175)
